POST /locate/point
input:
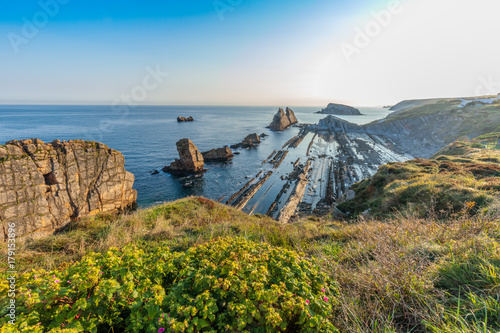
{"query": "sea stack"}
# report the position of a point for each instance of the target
(190, 160)
(282, 120)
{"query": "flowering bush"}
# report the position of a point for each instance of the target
(224, 285)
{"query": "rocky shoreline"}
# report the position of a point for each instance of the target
(314, 169)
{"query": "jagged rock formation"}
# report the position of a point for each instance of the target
(249, 141)
(282, 120)
(340, 109)
(334, 124)
(184, 119)
(45, 186)
(218, 155)
(190, 160)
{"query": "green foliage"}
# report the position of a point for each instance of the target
(226, 284)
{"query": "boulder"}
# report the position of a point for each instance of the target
(218, 155)
(282, 120)
(348, 195)
(340, 109)
(190, 160)
(44, 186)
(250, 141)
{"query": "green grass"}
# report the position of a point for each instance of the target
(405, 274)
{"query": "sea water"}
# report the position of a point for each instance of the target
(146, 135)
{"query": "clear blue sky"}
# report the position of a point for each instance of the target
(269, 52)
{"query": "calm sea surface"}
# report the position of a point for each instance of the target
(146, 135)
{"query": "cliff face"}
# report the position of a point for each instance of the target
(283, 120)
(45, 186)
(340, 109)
(422, 128)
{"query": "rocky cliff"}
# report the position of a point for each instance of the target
(45, 186)
(282, 120)
(421, 128)
(340, 109)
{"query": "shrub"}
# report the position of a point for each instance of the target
(226, 284)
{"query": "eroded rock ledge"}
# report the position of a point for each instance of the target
(44, 186)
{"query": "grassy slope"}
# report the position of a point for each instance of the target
(398, 275)
(462, 176)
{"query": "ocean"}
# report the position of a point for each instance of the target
(146, 135)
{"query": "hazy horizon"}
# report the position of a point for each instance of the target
(247, 53)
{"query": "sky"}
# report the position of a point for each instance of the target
(247, 52)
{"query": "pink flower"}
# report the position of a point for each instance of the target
(323, 290)
(325, 299)
(307, 301)
(161, 330)
(56, 281)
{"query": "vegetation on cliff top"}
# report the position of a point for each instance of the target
(194, 265)
(462, 176)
